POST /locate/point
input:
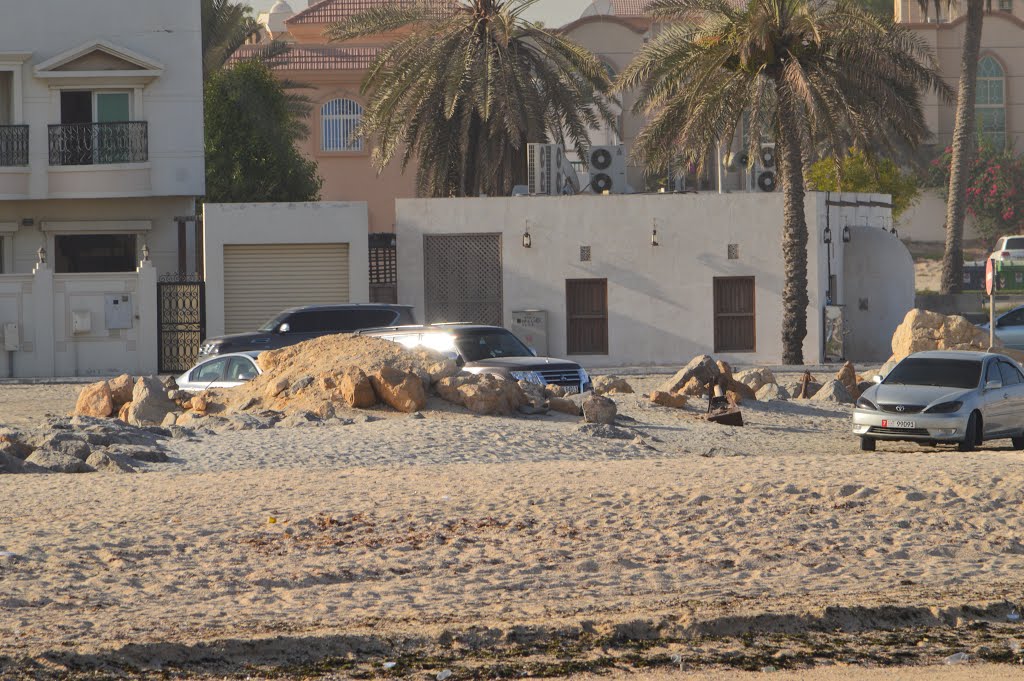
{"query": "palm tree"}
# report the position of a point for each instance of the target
(227, 25)
(468, 86)
(964, 142)
(799, 71)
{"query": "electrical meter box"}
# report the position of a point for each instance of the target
(12, 337)
(81, 321)
(531, 326)
(118, 308)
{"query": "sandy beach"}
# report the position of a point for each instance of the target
(498, 547)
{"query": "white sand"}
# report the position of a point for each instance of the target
(403, 529)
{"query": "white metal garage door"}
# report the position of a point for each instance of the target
(261, 280)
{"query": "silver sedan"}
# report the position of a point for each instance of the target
(220, 371)
(954, 397)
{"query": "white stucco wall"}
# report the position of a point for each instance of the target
(926, 220)
(282, 223)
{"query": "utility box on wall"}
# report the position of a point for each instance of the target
(12, 337)
(531, 326)
(118, 309)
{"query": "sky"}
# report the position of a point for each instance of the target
(551, 12)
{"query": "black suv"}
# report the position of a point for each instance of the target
(489, 349)
(311, 321)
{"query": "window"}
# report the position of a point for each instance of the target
(6, 97)
(339, 119)
(209, 372)
(241, 369)
(586, 310)
(76, 253)
(1009, 374)
(992, 374)
(96, 127)
(1014, 318)
(990, 101)
(1005, 5)
(735, 328)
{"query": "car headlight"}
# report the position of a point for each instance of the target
(528, 376)
(865, 403)
(945, 408)
(584, 377)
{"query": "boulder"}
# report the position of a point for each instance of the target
(555, 390)
(398, 389)
(11, 444)
(483, 393)
(833, 392)
(58, 462)
(610, 385)
(671, 400)
(724, 370)
(598, 409)
(443, 369)
(200, 403)
(741, 391)
(122, 413)
(149, 403)
(355, 388)
(535, 395)
(170, 419)
(694, 388)
(564, 405)
(275, 388)
(95, 400)
(138, 453)
(702, 368)
(121, 389)
(755, 379)
(772, 391)
(848, 377)
(13, 465)
(110, 463)
(924, 330)
(734, 398)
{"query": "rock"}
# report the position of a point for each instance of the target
(734, 398)
(444, 369)
(121, 389)
(488, 394)
(772, 391)
(200, 403)
(13, 465)
(122, 413)
(755, 379)
(834, 392)
(400, 390)
(58, 462)
(555, 390)
(277, 387)
(724, 370)
(535, 395)
(741, 391)
(300, 385)
(795, 389)
(610, 385)
(671, 400)
(563, 405)
(862, 386)
(95, 400)
(702, 368)
(168, 383)
(299, 420)
(149, 403)
(110, 463)
(924, 330)
(138, 453)
(597, 409)
(12, 444)
(170, 419)
(604, 430)
(356, 389)
(848, 377)
(694, 388)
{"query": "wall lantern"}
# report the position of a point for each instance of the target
(654, 232)
(828, 235)
(527, 239)
(41, 254)
(145, 252)
(846, 234)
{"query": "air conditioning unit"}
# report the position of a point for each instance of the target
(765, 177)
(546, 166)
(608, 169)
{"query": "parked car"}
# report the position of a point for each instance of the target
(1009, 248)
(489, 349)
(223, 371)
(1010, 328)
(955, 396)
(311, 321)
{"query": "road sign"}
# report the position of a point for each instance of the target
(990, 275)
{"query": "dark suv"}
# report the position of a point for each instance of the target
(311, 321)
(489, 349)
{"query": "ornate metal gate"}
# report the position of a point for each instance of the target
(462, 278)
(181, 320)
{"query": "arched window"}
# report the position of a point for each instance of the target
(339, 119)
(990, 101)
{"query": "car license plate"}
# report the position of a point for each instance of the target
(899, 424)
(571, 389)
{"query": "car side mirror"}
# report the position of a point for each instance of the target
(877, 378)
(284, 328)
(993, 385)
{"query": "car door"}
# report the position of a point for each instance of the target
(1013, 385)
(207, 375)
(994, 401)
(1010, 328)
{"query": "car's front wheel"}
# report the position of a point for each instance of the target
(972, 436)
(1018, 442)
(867, 444)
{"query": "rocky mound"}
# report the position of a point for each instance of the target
(922, 330)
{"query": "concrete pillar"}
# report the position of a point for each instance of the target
(147, 312)
(43, 342)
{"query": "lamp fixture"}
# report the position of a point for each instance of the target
(846, 234)
(827, 235)
(41, 254)
(527, 239)
(145, 252)
(654, 232)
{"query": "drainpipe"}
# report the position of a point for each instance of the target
(718, 164)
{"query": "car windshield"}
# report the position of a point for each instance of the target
(947, 373)
(490, 344)
(1014, 244)
(273, 324)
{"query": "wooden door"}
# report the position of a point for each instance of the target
(734, 314)
(586, 308)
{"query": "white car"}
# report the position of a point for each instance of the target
(220, 371)
(1009, 248)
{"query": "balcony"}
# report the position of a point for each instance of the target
(13, 146)
(86, 144)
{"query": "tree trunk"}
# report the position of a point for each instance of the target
(794, 236)
(964, 145)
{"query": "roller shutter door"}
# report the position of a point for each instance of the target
(261, 280)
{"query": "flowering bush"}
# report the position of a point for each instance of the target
(995, 189)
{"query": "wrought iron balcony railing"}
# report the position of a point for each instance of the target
(13, 145)
(83, 144)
